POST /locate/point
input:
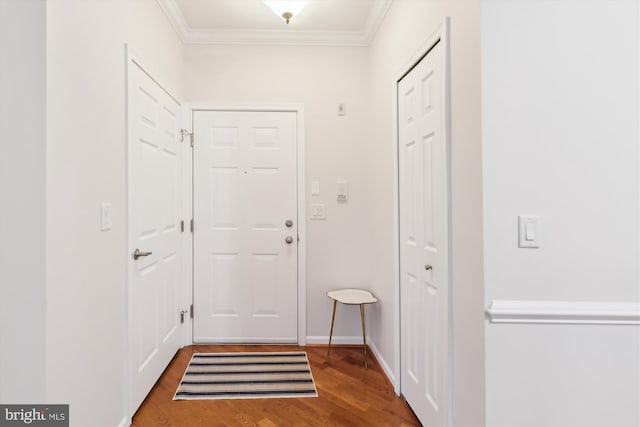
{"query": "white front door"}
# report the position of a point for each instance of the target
(245, 237)
(156, 284)
(424, 281)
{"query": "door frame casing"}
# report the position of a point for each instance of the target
(134, 59)
(297, 108)
(440, 35)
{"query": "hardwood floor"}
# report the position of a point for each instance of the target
(348, 395)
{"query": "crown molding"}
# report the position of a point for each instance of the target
(175, 16)
(276, 37)
(376, 16)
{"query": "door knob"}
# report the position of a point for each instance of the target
(288, 223)
(137, 254)
(289, 240)
(428, 267)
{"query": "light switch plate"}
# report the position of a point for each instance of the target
(106, 220)
(528, 231)
(317, 211)
(315, 188)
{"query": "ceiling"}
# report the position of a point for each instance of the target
(321, 22)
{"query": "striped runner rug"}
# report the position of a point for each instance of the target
(247, 376)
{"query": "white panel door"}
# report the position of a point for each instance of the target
(156, 285)
(245, 254)
(423, 240)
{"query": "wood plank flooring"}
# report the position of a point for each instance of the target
(348, 395)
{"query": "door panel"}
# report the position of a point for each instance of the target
(155, 285)
(423, 239)
(245, 189)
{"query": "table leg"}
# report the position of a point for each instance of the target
(333, 317)
(364, 335)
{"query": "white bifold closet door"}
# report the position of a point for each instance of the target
(424, 293)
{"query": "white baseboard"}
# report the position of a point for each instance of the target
(564, 312)
(125, 422)
(351, 340)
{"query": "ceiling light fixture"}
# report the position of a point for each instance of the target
(286, 8)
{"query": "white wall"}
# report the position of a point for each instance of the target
(338, 250)
(151, 35)
(560, 139)
(86, 165)
(404, 30)
(22, 195)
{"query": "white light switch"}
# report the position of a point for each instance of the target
(343, 191)
(528, 231)
(317, 211)
(106, 222)
(315, 188)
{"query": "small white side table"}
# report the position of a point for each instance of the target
(351, 297)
